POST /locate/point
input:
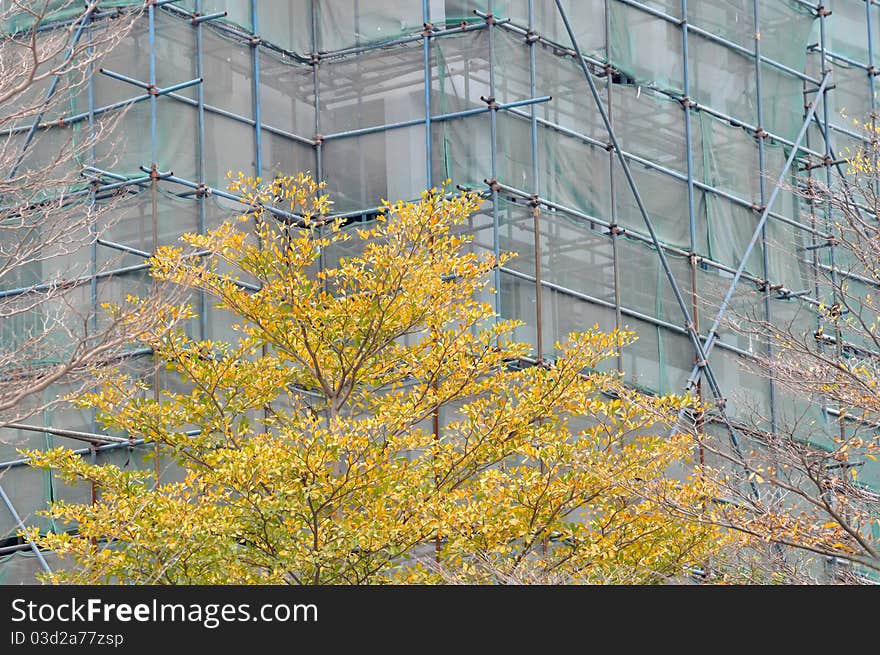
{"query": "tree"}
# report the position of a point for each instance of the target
(51, 210)
(376, 422)
(812, 485)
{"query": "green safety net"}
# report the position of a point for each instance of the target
(23, 567)
(646, 49)
(385, 86)
(849, 25)
(784, 26)
(306, 26)
(562, 156)
(649, 50)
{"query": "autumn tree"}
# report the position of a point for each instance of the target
(53, 208)
(375, 422)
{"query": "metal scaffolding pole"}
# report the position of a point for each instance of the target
(93, 235)
(200, 156)
(493, 137)
(872, 71)
(154, 197)
(536, 211)
(762, 194)
(426, 62)
(829, 221)
(614, 230)
(693, 258)
(258, 122)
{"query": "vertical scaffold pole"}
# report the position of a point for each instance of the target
(762, 190)
(151, 12)
(686, 104)
(319, 166)
(536, 212)
(154, 192)
(614, 230)
(829, 221)
(258, 120)
(318, 141)
(93, 229)
(872, 85)
(426, 56)
(200, 109)
(493, 136)
(361, 154)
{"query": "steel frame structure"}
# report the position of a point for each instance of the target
(601, 82)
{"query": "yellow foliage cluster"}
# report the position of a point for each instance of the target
(316, 459)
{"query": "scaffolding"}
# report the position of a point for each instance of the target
(638, 155)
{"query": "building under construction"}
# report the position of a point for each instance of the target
(640, 156)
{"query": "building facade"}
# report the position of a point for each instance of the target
(714, 104)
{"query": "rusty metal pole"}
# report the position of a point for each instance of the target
(154, 174)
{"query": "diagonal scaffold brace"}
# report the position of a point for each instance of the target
(21, 526)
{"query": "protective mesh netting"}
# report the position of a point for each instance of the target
(339, 87)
